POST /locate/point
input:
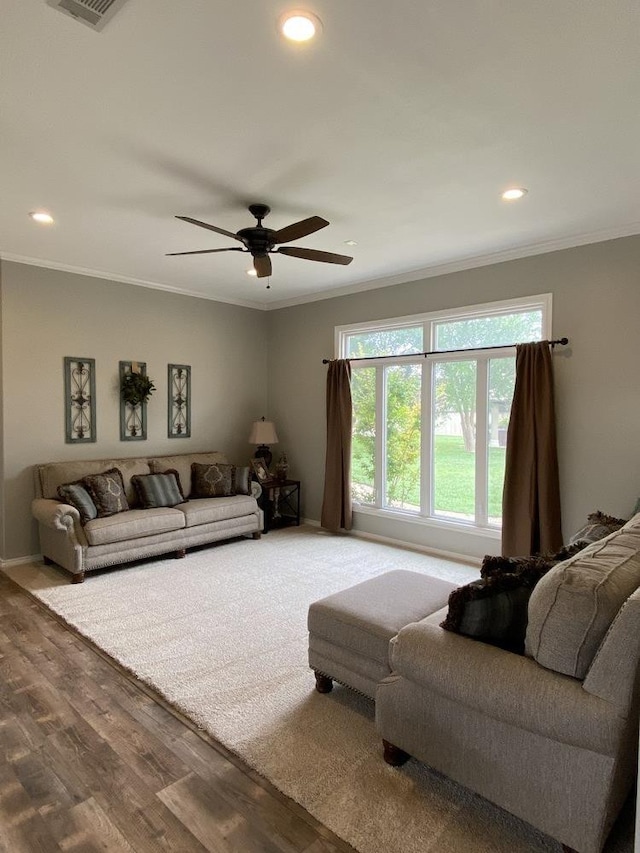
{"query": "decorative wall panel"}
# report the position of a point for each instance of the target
(133, 419)
(79, 400)
(179, 415)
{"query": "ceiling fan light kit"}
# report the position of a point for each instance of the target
(261, 242)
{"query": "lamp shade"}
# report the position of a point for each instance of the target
(263, 432)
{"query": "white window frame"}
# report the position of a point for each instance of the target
(429, 322)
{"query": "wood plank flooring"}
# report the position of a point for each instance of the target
(90, 760)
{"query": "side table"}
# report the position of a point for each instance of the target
(281, 503)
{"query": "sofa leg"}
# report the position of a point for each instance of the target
(393, 755)
(256, 534)
(324, 684)
(77, 578)
(180, 553)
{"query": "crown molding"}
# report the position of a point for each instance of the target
(153, 285)
(471, 262)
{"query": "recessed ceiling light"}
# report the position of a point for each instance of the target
(41, 216)
(350, 243)
(514, 193)
(251, 272)
(299, 26)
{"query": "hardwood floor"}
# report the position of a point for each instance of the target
(91, 760)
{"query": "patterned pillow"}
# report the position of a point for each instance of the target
(493, 610)
(155, 490)
(212, 481)
(597, 527)
(243, 481)
(77, 496)
(107, 492)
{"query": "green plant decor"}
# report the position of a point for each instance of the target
(136, 388)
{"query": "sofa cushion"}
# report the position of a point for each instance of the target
(212, 481)
(181, 463)
(77, 496)
(207, 510)
(573, 605)
(133, 524)
(597, 527)
(155, 490)
(130, 468)
(55, 474)
(107, 492)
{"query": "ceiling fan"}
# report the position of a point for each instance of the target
(261, 242)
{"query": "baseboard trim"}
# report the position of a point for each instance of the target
(408, 546)
(20, 561)
(422, 549)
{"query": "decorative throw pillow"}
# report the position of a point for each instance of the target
(493, 610)
(212, 481)
(243, 481)
(107, 492)
(597, 527)
(529, 568)
(534, 566)
(156, 490)
(77, 496)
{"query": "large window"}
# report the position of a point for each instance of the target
(429, 433)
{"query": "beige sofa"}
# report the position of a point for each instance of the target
(551, 736)
(136, 533)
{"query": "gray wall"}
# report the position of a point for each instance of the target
(596, 304)
(47, 315)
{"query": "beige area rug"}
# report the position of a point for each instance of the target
(222, 636)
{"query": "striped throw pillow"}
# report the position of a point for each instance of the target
(156, 490)
(77, 496)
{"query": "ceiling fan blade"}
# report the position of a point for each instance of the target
(210, 227)
(299, 229)
(314, 255)
(262, 265)
(205, 251)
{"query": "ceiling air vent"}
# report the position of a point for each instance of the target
(93, 13)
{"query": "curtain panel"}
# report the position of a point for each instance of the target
(531, 522)
(336, 504)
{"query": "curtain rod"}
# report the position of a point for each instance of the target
(562, 341)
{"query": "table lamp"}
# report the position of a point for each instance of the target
(263, 433)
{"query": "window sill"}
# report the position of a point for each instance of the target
(452, 525)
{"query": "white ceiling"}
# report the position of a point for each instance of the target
(401, 125)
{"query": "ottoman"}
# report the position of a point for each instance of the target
(349, 632)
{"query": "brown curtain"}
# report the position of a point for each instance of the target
(336, 505)
(531, 498)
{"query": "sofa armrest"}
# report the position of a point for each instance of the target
(56, 515)
(505, 686)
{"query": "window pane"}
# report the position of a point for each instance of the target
(403, 414)
(454, 439)
(502, 377)
(499, 330)
(385, 342)
(363, 393)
